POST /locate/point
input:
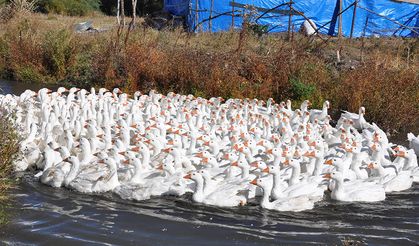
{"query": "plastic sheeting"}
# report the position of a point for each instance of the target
(177, 7)
(323, 13)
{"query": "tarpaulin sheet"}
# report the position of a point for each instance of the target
(323, 13)
(177, 7)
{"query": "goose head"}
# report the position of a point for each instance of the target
(373, 165)
(196, 176)
(362, 111)
(326, 104)
(338, 176)
(272, 170)
(264, 184)
(294, 163)
(210, 160)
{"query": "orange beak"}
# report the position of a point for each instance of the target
(254, 182)
(170, 142)
(135, 148)
(265, 170)
(235, 164)
(328, 162)
(101, 161)
(254, 164)
(160, 167)
(269, 151)
(199, 138)
(371, 166)
(205, 160)
(327, 176)
(309, 154)
(206, 143)
(166, 150)
(200, 155)
(189, 176)
(126, 162)
(286, 162)
(121, 153)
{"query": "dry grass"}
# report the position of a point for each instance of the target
(381, 74)
(9, 146)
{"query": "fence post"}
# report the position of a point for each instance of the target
(290, 20)
(210, 16)
(232, 15)
(196, 13)
(353, 18)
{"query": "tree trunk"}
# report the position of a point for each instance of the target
(118, 9)
(123, 12)
(134, 12)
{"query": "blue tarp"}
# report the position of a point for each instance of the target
(177, 7)
(323, 13)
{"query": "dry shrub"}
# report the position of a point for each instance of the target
(391, 96)
(380, 74)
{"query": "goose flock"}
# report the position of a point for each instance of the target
(223, 152)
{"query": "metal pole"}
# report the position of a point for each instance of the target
(353, 18)
(196, 12)
(340, 20)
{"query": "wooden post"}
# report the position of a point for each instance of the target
(210, 16)
(353, 18)
(290, 20)
(232, 15)
(340, 19)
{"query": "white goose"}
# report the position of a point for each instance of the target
(371, 193)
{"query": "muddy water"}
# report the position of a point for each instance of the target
(44, 215)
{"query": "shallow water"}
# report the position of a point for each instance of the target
(41, 214)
